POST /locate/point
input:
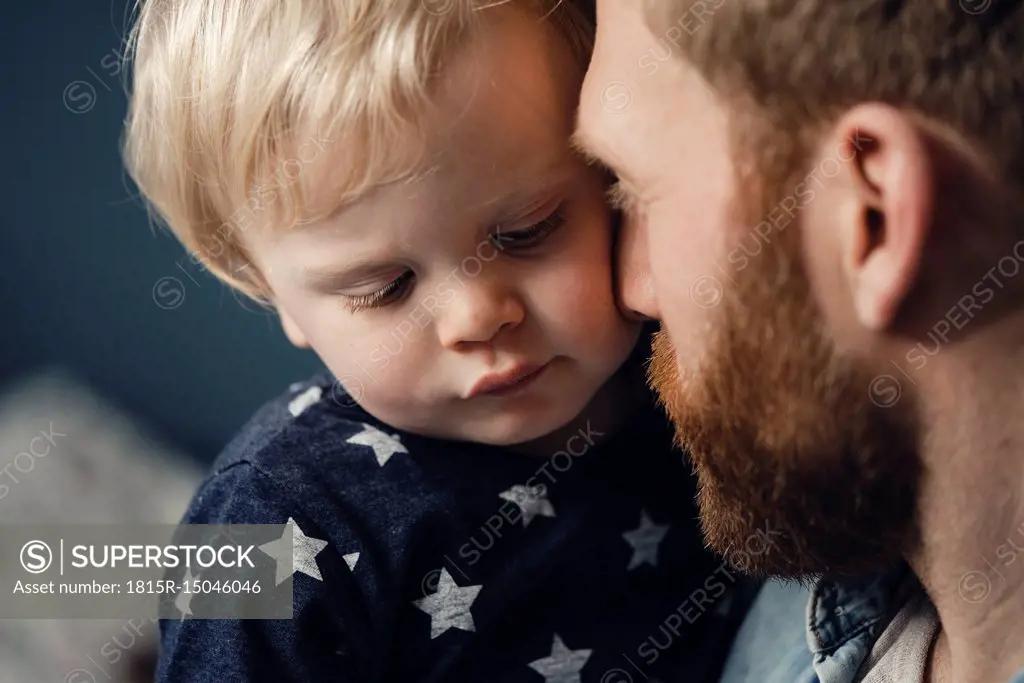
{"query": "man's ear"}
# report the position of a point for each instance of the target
(883, 238)
(292, 331)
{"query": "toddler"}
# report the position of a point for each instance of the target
(480, 487)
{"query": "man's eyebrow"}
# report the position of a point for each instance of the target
(621, 197)
(584, 145)
(622, 194)
(580, 143)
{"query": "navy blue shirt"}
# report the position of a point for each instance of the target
(420, 559)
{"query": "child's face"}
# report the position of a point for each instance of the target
(495, 264)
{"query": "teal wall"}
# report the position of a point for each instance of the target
(84, 282)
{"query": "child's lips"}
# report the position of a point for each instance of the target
(513, 380)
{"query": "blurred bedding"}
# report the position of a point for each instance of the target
(69, 455)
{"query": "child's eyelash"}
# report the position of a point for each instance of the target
(519, 239)
(382, 296)
(531, 236)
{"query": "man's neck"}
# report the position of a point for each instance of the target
(938, 670)
(971, 558)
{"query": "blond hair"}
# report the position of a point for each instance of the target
(244, 111)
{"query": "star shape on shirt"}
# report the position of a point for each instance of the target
(645, 540)
(562, 665)
(350, 560)
(531, 501)
(449, 605)
(183, 600)
(383, 445)
(298, 405)
(295, 554)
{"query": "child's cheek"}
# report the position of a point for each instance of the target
(381, 363)
(576, 292)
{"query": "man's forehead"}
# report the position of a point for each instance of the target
(583, 140)
(618, 19)
(659, 15)
(622, 84)
(654, 15)
(597, 137)
(617, 49)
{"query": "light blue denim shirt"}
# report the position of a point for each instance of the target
(820, 632)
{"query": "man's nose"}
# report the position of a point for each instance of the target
(636, 287)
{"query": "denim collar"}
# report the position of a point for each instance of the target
(845, 619)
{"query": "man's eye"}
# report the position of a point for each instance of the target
(388, 294)
(531, 236)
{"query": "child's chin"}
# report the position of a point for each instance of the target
(513, 433)
(534, 432)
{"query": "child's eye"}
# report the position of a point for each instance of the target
(388, 294)
(531, 236)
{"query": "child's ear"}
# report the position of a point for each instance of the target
(292, 331)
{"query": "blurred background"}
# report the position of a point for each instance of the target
(112, 338)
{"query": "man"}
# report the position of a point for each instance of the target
(825, 213)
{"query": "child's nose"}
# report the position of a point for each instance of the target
(477, 314)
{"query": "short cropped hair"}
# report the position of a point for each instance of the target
(243, 111)
(795, 65)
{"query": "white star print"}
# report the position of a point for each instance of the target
(449, 606)
(183, 601)
(562, 665)
(645, 540)
(298, 405)
(295, 554)
(383, 445)
(351, 560)
(531, 501)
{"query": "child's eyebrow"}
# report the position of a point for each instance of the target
(323, 280)
(335, 277)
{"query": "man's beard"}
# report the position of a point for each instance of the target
(799, 472)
